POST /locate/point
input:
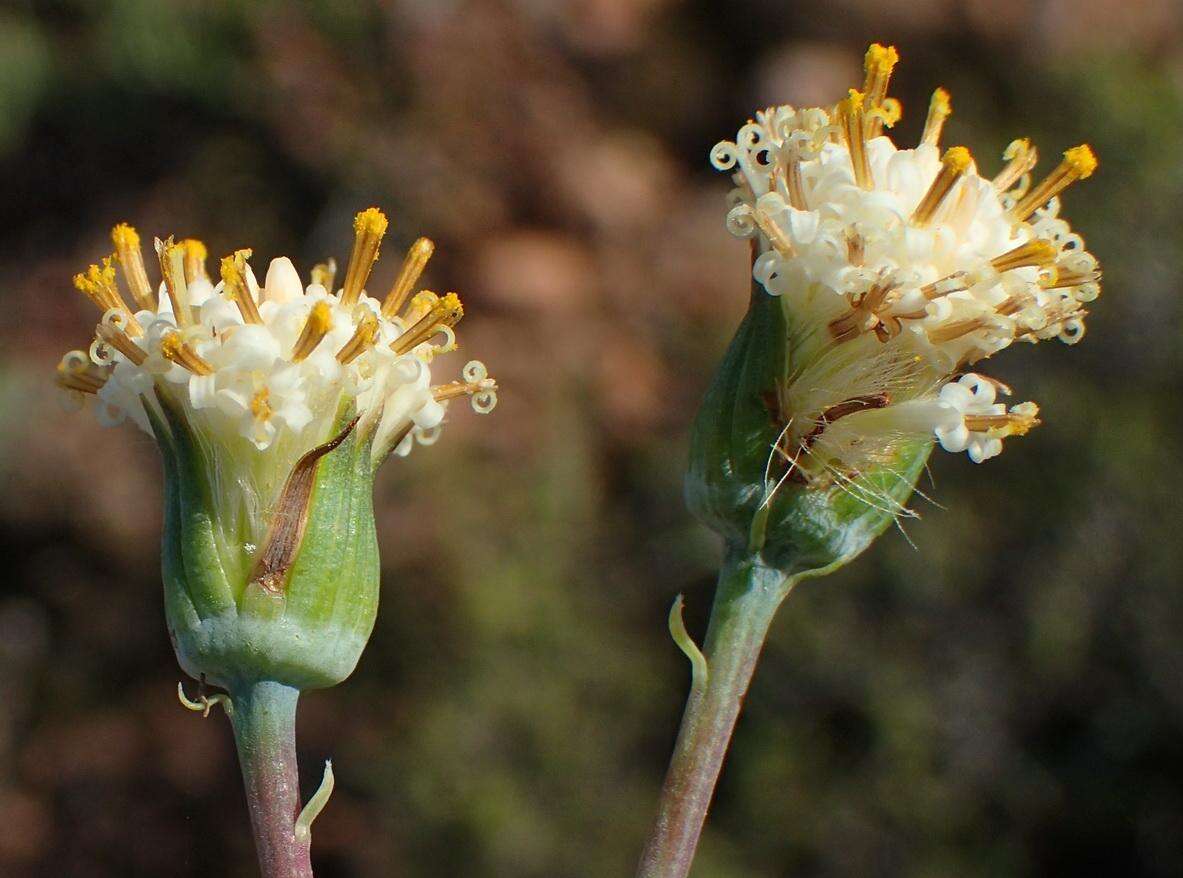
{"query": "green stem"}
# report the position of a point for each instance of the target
(264, 719)
(746, 600)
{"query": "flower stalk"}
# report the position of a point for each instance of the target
(746, 599)
(264, 720)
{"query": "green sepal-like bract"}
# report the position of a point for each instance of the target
(308, 627)
(734, 482)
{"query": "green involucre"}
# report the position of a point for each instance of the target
(233, 632)
(802, 529)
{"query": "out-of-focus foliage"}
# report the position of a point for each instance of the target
(1003, 697)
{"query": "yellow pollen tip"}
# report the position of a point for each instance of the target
(450, 307)
(957, 158)
(852, 103)
(124, 235)
(1081, 160)
(320, 319)
(194, 249)
(941, 102)
(370, 221)
(880, 59)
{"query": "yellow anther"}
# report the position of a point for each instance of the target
(1082, 161)
(1020, 157)
(177, 350)
(320, 321)
(953, 166)
(852, 120)
(361, 341)
(1017, 422)
(195, 256)
(233, 270)
(939, 109)
(127, 249)
(98, 285)
(1079, 163)
(1037, 253)
(408, 276)
(878, 64)
(261, 405)
(445, 312)
(368, 228)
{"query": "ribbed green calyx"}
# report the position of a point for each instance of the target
(806, 526)
(298, 607)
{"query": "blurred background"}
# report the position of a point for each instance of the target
(1003, 697)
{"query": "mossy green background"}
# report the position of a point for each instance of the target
(997, 691)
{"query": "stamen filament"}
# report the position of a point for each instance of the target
(174, 348)
(76, 372)
(955, 330)
(939, 109)
(320, 321)
(368, 228)
(954, 283)
(127, 250)
(195, 256)
(172, 267)
(1078, 164)
(454, 389)
(233, 270)
(773, 232)
(1038, 253)
(795, 185)
(1017, 422)
(852, 120)
(118, 339)
(953, 166)
(408, 277)
(361, 341)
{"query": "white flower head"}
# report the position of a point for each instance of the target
(898, 269)
(262, 373)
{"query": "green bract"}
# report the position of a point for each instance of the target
(297, 609)
(734, 469)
